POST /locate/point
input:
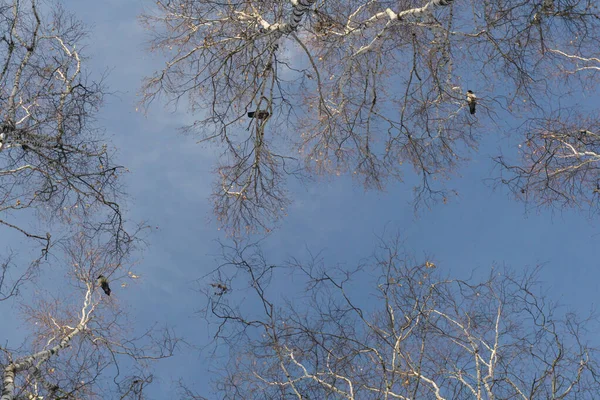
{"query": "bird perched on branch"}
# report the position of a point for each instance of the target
(472, 101)
(259, 114)
(103, 283)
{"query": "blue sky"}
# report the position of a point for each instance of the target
(170, 183)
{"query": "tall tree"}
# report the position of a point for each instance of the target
(53, 160)
(393, 328)
(55, 166)
(78, 343)
(59, 187)
(374, 87)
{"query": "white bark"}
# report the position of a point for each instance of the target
(402, 16)
(37, 359)
(25, 363)
(300, 8)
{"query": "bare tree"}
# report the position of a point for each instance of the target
(370, 87)
(52, 158)
(393, 328)
(59, 186)
(79, 339)
(55, 167)
(560, 163)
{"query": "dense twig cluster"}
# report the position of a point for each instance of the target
(56, 166)
(77, 340)
(52, 158)
(367, 87)
(412, 334)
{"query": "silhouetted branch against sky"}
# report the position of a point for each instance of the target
(396, 94)
(372, 88)
(410, 332)
(79, 338)
(53, 159)
(60, 191)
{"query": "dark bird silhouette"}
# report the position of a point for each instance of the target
(103, 283)
(258, 114)
(472, 100)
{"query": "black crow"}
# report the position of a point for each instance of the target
(258, 114)
(472, 100)
(103, 283)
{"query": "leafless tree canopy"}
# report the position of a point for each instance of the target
(56, 170)
(414, 333)
(54, 164)
(373, 87)
(560, 162)
(52, 158)
(81, 344)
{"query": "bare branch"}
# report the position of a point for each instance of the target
(427, 336)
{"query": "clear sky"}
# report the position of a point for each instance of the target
(170, 182)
